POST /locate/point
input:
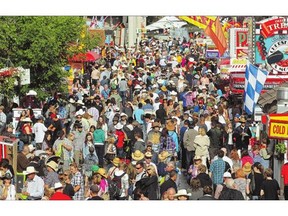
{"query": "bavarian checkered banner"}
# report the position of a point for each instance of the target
(254, 82)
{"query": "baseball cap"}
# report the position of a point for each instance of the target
(227, 175)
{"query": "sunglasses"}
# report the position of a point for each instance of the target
(65, 174)
(138, 167)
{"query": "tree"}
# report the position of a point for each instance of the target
(42, 44)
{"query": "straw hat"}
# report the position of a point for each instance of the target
(247, 168)
(197, 158)
(163, 155)
(52, 164)
(170, 126)
(137, 155)
(116, 161)
(102, 172)
(242, 120)
(163, 88)
(148, 154)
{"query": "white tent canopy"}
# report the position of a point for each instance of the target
(166, 22)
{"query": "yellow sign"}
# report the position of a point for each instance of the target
(278, 129)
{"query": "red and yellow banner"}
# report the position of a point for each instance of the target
(278, 129)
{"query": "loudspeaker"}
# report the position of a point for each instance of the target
(20, 179)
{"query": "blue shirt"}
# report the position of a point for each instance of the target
(137, 114)
(217, 169)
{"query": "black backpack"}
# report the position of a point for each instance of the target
(114, 186)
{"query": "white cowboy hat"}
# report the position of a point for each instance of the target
(191, 59)
(31, 148)
(80, 102)
(57, 185)
(118, 126)
(32, 93)
(173, 93)
(79, 112)
(71, 100)
(29, 170)
(114, 68)
(137, 87)
(123, 114)
(182, 192)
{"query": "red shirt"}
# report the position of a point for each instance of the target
(121, 136)
(60, 196)
(284, 173)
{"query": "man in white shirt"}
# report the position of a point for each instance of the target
(34, 186)
(39, 130)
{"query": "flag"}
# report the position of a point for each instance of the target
(217, 36)
(254, 82)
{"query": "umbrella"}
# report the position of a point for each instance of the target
(85, 57)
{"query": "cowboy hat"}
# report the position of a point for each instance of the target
(57, 185)
(137, 86)
(197, 158)
(80, 102)
(27, 119)
(79, 112)
(182, 192)
(137, 155)
(173, 93)
(242, 120)
(53, 165)
(118, 126)
(31, 93)
(163, 88)
(170, 126)
(71, 100)
(148, 154)
(163, 155)
(116, 161)
(102, 172)
(123, 114)
(247, 168)
(31, 148)
(29, 170)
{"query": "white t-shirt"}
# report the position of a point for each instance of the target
(39, 130)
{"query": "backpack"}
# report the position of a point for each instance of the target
(115, 186)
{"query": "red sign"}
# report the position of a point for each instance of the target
(269, 27)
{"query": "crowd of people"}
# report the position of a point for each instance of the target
(136, 123)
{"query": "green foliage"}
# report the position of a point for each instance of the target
(42, 43)
(280, 148)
